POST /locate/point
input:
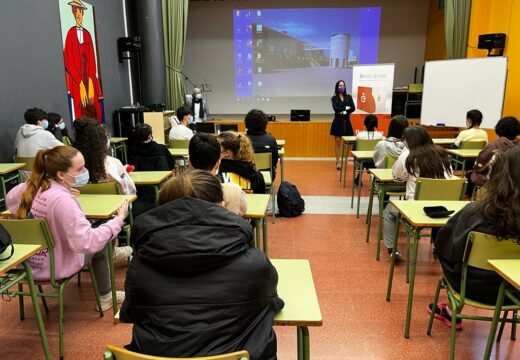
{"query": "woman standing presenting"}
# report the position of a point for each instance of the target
(343, 106)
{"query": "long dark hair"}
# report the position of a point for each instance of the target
(336, 91)
(91, 140)
(425, 159)
(500, 204)
(475, 117)
(397, 126)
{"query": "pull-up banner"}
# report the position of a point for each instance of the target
(372, 87)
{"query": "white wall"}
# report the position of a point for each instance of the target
(210, 48)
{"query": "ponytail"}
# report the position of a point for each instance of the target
(38, 180)
(45, 168)
(245, 151)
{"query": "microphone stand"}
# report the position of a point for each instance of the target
(183, 74)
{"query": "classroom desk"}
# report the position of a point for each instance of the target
(509, 270)
(6, 176)
(152, 178)
(119, 144)
(461, 156)
(347, 142)
(383, 181)
(413, 217)
(21, 254)
(359, 159)
(179, 152)
(444, 142)
(104, 207)
(296, 288)
(257, 211)
(280, 143)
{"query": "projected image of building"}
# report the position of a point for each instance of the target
(339, 50)
(275, 50)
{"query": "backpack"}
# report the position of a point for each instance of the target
(290, 202)
(5, 243)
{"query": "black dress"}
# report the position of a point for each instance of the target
(341, 125)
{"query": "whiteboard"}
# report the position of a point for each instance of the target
(452, 87)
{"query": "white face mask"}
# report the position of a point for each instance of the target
(198, 96)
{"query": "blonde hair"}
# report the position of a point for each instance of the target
(238, 144)
(45, 168)
(199, 184)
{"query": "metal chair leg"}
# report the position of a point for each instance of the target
(44, 301)
(434, 306)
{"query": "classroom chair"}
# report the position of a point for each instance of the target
(29, 161)
(179, 144)
(66, 141)
(413, 100)
(36, 232)
(263, 163)
(479, 248)
(358, 168)
(118, 353)
(472, 145)
(389, 161)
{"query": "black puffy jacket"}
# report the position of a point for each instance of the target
(197, 286)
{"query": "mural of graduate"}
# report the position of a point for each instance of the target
(81, 59)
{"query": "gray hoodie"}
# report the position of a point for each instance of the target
(390, 146)
(30, 139)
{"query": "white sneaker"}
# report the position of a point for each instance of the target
(122, 253)
(106, 300)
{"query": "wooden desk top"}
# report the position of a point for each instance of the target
(6, 168)
(412, 211)
(509, 269)
(281, 152)
(383, 175)
(466, 154)
(296, 288)
(117, 140)
(256, 205)
(267, 177)
(363, 155)
(150, 177)
(179, 152)
(102, 206)
(21, 253)
(349, 139)
(444, 141)
(280, 143)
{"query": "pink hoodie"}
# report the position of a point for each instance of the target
(72, 232)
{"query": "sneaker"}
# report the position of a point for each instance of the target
(338, 165)
(106, 300)
(442, 314)
(122, 253)
(397, 253)
(357, 180)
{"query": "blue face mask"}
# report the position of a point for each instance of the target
(61, 126)
(45, 124)
(80, 180)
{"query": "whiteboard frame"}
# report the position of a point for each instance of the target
(504, 86)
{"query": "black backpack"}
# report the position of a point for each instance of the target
(290, 202)
(5, 243)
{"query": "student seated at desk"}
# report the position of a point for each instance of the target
(256, 124)
(370, 132)
(393, 145)
(237, 157)
(182, 131)
(507, 130)
(197, 286)
(420, 158)
(48, 194)
(204, 154)
(474, 132)
(497, 213)
(57, 126)
(147, 155)
(92, 141)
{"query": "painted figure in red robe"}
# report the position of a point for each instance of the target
(80, 67)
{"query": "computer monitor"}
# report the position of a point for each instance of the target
(300, 115)
(228, 127)
(208, 127)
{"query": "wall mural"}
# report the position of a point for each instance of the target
(81, 59)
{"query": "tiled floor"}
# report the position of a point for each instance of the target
(358, 323)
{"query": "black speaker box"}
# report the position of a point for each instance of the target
(492, 41)
(133, 43)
